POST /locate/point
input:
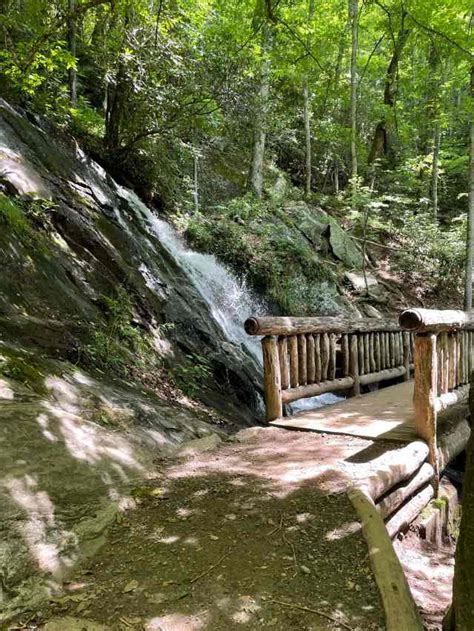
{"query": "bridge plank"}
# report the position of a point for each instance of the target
(383, 415)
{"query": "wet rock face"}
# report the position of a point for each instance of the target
(74, 441)
(97, 240)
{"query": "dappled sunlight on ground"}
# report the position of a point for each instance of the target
(429, 570)
(88, 442)
(290, 459)
(244, 536)
(46, 540)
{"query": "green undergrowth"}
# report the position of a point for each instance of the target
(24, 216)
(280, 248)
(190, 374)
(117, 344)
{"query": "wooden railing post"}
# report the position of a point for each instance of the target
(406, 355)
(271, 378)
(354, 364)
(425, 393)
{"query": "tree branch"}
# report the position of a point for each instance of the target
(303, 43)
(433, 31)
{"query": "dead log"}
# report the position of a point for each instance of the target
(409, 511)
(315, 389)
(293, 350)
(426, 383)
(302, 363)
(382, 375)
(394, 467)
(434, 319)
(283, 358)
(275, 325)
(448, 399)
(399, 606)
(310, 359)
(345, 355)
(354, 364)
(453, 438)
(392, 502)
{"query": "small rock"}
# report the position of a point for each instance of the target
(130, 586)
(305, 569)
(200, 445)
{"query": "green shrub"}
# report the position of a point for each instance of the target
(117, 344)
(190, 375)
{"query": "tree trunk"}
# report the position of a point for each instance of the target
(470, 218)
(307, 109)
(196, 181)
(382, 144)
(353, 16)
(307, 134)
(71, 36)
(461, 616)
(261, 110)
(116, 103)
(117, 96)
(435, 168)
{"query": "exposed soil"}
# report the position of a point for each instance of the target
(256, 534)
(251, 535)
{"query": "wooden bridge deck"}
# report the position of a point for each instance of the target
(386, 414)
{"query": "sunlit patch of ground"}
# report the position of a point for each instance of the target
(429, 570)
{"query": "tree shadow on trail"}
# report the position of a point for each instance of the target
(217, 551)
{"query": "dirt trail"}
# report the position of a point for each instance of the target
(252, 535)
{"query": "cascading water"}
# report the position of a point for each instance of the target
(230, 302)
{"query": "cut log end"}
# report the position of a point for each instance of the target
(410, 319)
(251, 326)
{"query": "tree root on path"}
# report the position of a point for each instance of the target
(210, 568)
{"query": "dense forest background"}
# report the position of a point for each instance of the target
(234, 117)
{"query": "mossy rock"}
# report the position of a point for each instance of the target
(343, 247)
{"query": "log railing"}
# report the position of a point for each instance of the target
(306, 357)
(444, 361)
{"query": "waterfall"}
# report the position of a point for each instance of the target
(229, 300)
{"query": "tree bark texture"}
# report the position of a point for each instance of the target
(71, 36)
(470, 221)
(261, 110)
(353, 16)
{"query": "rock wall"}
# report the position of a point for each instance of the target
(76, 439)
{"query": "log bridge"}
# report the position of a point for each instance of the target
(426, 358)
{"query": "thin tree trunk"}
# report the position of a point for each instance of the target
(196, 181)
(72, 36)
(435, 167)
(382, 145)
(307, 134)
(259, 133)
(470, 217)
(353, 16)
(307, 108)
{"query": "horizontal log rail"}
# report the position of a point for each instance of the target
(444, 360)
(306, 357)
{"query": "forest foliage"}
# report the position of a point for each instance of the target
(364, 106)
